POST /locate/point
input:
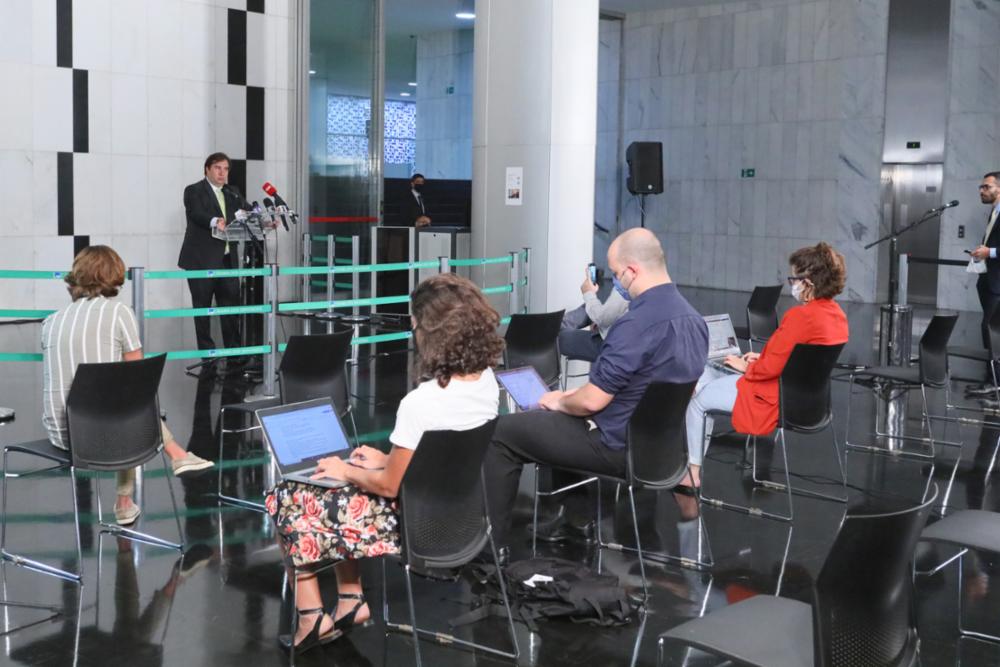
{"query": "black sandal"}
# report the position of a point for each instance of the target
(346, 622)
(314, 638)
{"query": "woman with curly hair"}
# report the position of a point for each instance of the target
(817, 274)
(457, 343)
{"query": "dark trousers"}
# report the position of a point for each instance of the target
(545, 437)
(580, 344)
(226, 292)
(988, 300)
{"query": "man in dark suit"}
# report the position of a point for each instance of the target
(415, 209)
(210, 204)
(988, 285)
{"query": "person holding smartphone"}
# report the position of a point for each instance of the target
(584, 328)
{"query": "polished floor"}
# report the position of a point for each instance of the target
(222, 603)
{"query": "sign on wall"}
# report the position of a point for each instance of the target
(515, 179)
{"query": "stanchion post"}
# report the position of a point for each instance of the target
(444, 264)
(355, 277)
(306, 278)
(270, 334)
(139, 300)
(512, 276)
(331, 253)
(526, 277)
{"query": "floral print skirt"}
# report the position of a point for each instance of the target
(321, 525)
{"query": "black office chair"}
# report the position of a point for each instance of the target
(803, 407)
(443, 521)
(762, 315)
(113, 418)
(965, 529)
(311, 367)
(657, 459)
(930, 372)
(532, 340)
(861, 612)
(989, 356)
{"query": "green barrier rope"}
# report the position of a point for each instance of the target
(20, 356)
(323, 238)
(208, 273)
(21, 313)
(33, 275)
(362, 268)
(381, 338)
(479, 262)
(345, 303)
(502, 289)
(221, 352)
(322, 283)
(257, 309)
(339, 261)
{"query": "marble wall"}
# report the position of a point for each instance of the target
(793, 89)
(608, 166)
(153, 85)
(444, 104)
(972, 143)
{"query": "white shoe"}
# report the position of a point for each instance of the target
(189, 464)
(127, 515)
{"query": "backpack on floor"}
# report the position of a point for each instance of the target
(541, 588)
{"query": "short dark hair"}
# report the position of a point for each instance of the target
(994, 174)
(823, 266)
(216, 157)
(416, 176)
(456, 328)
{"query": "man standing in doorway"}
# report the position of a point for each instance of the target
(988, 285)
(416, 208)
(211, 204)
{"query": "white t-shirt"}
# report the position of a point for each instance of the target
(461, 406)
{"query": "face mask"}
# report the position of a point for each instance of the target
(620, 289)
(797, 290)
(418, 187)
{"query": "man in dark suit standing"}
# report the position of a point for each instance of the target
(988, 285)
(210, 204)
(415, 209)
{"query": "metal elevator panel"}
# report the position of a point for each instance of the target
(908, 191)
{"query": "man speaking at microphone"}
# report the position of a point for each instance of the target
(210, 204)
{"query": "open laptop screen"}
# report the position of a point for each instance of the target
(721, 336)
(304, 434)
(524, 385)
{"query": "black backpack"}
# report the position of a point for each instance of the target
(576, 592)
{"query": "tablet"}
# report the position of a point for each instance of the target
(524, 385)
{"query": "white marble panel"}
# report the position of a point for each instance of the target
(200, 42)
(128, 205)
(128, 37)
(971, 146)
(17, 171)
(231, 119)
(165, 126)
(91, 175)
(99, 112)
(16, 123)
(260, 60)
(91, 43)
(15, 32)
(167, 179)
(129, 114)
(43, 32)
(165, 31)
(43, 193)
(198, 118)
(51, 108)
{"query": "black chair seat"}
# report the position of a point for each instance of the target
(249, 407)
(966, 352)
(763, 630)
(43, 448)
(977, 529)
(902, 374)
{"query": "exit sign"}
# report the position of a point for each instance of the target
(748, 173)
(912, 145)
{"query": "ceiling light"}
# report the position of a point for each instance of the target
(404, 94)
(468, 16)
(466, 10)
(412, 84)
(312, 71)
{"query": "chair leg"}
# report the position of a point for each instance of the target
(413, 615)
(293, 581)
(534, 517)
(136, 535)
(173, 499)
(503, 591)
(638, 544)
(219, 466)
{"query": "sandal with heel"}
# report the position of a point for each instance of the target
(345, 623)
(314, 638)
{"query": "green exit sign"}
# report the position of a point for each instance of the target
(450, 90)
(748, 173)
(912, 145)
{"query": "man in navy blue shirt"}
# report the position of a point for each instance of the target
(661, 338)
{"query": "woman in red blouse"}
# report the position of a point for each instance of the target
(817, 275)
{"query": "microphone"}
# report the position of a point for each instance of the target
(233, 192)
(952, 204)
(273, 192)
(275, 213)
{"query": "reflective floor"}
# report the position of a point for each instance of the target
(222, 603)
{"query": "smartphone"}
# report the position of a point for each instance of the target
(592, 272)
(967, 252)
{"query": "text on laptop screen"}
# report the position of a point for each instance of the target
(524, 386)
(305, 434)
(721, 336)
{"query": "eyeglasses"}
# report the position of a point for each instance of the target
(794, 279)
(986, 186)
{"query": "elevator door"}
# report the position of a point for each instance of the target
(909, 191)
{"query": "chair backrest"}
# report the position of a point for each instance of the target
(862, 613)
(762, 311)
(532, 340)
(804, 394)
(994, 330)
(657, 451)
(113, 415)
(934, 349)
(442, 501)
(313, 367)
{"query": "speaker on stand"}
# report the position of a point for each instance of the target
(645, 172)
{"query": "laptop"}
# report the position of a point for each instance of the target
(721, 342)
(299, 434)
(524, 385)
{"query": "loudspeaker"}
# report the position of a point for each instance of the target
(645, 167)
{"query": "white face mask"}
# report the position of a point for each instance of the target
(797, 288)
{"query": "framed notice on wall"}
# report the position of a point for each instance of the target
(512, 186)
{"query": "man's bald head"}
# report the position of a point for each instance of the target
(638, 246)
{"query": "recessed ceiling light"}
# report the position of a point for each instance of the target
(412, 84)
(468, 16)
(312, 71)
(404, 94)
